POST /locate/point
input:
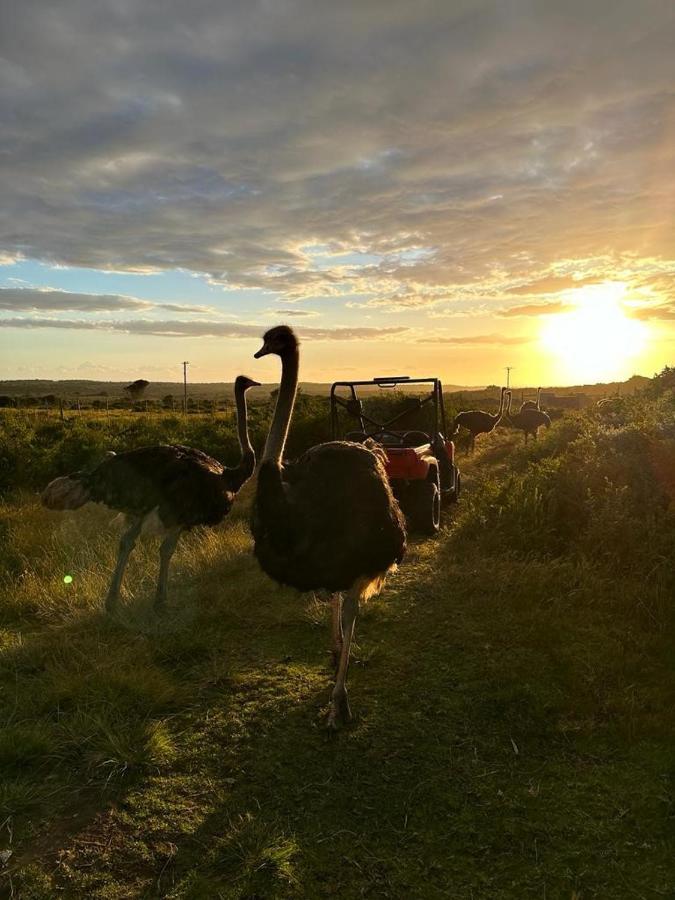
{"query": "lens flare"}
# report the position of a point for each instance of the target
(67, 579)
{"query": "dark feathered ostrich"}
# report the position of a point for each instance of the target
(528, 420)
(532, 404)
(167, 489)
(478, 422)
(328, 521)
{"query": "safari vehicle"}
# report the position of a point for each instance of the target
(420, 464)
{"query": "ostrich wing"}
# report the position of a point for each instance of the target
(183, 483)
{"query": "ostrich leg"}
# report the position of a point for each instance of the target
(339, 705)
(336, 628)
(127, 544)
(166, 551)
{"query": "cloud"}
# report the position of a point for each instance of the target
(536, 309)
(663, 311)
(494, 340)
(283, 312)
(46, 299)
(552, 285)
(185, 308)
(52, 300)
(200, 328)
(454, 143)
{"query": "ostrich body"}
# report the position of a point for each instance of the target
(478, 422)
(166, 488)
(327, 521)
(528, 420)
(531, 404)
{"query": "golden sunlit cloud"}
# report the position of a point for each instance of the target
(597, 340)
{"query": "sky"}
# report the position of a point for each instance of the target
(428, 188)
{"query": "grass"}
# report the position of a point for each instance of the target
(513, 731)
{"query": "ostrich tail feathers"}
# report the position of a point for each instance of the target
(66, 492)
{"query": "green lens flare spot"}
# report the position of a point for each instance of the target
(67, 579)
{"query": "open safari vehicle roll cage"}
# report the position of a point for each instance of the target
(420, 464)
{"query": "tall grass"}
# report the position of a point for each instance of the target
(512, 688)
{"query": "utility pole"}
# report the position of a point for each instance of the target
(185, 365)
(508, 374)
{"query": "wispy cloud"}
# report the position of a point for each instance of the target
(552, 284)
(494, 340)
(45, 299)
(52, 300)
(663, 311)
(536, 309)
(199, 328)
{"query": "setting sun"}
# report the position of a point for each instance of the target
(596, 340)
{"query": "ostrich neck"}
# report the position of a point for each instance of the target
(276, 439)
(501, 406)
(242, 423)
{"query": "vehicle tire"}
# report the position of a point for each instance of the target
(452, 494)
(424, 506)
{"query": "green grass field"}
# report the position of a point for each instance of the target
(512, 689)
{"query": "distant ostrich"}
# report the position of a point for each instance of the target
(166, 489)
(528, 420)
(478, 422)
(531, 404)
(327, 521)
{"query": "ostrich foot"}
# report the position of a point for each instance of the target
(339, 712)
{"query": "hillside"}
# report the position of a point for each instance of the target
(88, 391)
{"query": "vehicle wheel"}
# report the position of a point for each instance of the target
(452, 494)
(424, 506)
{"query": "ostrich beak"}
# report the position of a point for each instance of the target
(264, 350)
(252, 383)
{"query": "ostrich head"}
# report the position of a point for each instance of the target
(280, 340)
(243, 383)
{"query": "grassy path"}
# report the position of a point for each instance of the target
(512, 737)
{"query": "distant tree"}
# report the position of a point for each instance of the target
(137, 388)
(168, 401)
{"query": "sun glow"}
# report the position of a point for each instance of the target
(596, 340)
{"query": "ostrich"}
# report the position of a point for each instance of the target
(478, 422)
(166, 488)
(326, 522)
(530, 404)
(528, 420)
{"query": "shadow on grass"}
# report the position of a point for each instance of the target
(509, 739)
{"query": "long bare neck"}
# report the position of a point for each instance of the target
(538, 398)
(276, 439)
(242, 423)
(501, 406)
(508, 408)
